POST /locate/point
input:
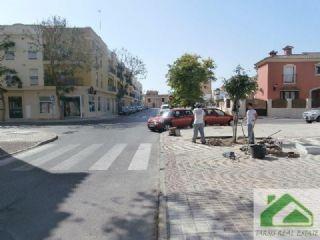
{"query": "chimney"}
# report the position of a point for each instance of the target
(273, 53)
(287, 50)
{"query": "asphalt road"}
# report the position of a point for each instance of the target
(96, 181)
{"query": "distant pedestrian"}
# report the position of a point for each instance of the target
(251, 121)
(198, 123)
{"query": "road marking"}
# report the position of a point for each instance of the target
(107, 159)
(75, 159)
(25, 154)
(140, 159)
(46, 158)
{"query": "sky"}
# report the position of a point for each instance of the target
(231, 32)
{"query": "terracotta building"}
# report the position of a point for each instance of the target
(289, 83)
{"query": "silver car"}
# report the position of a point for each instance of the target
(312, 115)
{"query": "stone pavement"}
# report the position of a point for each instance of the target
(17, 139)
(211, 197)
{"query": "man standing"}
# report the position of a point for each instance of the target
(198, 124)
(251, 121)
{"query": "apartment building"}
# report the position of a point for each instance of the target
(153, 99)
(94, 91)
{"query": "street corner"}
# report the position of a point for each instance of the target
(15, 140)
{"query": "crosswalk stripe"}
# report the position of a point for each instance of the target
(75, 159)
(107, 159)
(46, 158)
(28, 153)
(140, 159)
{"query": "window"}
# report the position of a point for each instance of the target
(219, 112)
(188, 113)
(162, 99)
(149, 100)
(34, 80)
(92, 106)
(228, 103)
(32, 51)
(9, 54)
(289, 94)
(289, 73)
(317, 69)
(45, 104)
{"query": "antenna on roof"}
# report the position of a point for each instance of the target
(99, 11)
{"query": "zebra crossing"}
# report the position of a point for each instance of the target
(70, 157)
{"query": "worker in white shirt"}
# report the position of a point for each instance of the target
(198, 124)
(251, 121)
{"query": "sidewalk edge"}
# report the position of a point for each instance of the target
(163, 233)
(52, 139)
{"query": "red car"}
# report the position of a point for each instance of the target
(182, 118)
(217, 117)
(178, 117)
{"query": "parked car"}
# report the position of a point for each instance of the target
(124, 111)
(217, 117)
(166, 118)
(312, 115)
(164, 106)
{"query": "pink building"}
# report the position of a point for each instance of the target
(289, 83)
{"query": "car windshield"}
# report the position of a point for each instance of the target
(164, 113)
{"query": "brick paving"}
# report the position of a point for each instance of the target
(211, 197)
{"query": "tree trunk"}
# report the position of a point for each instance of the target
(3, 117)
(235, 120)
(60, 106)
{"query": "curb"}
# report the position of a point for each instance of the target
(163, 233)
(52, 139)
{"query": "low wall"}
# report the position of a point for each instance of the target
(286, 112)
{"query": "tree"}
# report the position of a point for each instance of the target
(65, 53)
(132, 67)
(5, 44)
(239, 87)
(185, 77)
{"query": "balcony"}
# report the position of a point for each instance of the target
(289, 78)
(112, 88)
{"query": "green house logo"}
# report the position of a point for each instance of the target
(285, 212)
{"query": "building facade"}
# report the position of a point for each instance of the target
(289, 83)
(153, 99)
(94, 91)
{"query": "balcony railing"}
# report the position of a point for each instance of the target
(112, 88)
(289, 78)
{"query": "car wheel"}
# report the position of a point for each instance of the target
(166, 127)
(230, 123)
(308, 121)
(318, 119)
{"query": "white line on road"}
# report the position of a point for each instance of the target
(25, 154)
(107, 159)
(140, 159)
(46, 158)
(75, 159)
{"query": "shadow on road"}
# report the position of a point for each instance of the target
(136, 225)
(29, 201)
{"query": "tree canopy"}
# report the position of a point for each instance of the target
(239, 87)
(185, 77)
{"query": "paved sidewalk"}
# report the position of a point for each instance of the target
(14, 140)
(211, 197)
